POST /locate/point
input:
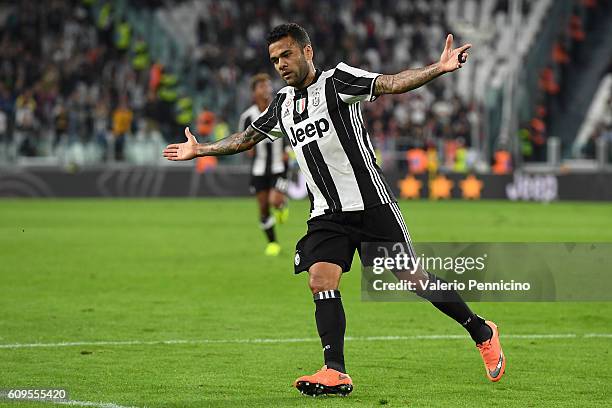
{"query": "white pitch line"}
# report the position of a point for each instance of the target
(598, 335)
(542, 336)
(82, 403)
(91, 404)
(296, 340)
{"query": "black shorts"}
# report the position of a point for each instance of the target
(277, 181)
(335, 237)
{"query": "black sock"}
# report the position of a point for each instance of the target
(267, 226)
(450, 303)
(478, 329)
(331, 324)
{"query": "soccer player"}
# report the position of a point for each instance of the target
(351, 202)
(269, 169)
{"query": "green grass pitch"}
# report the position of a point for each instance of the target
(154, 270)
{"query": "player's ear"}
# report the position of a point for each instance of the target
(308, 52)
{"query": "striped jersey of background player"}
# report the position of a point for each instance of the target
(269, 166)
(319, 112)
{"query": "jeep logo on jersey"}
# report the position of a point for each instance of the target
(305, 131)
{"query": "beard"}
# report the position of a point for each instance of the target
(297, 77)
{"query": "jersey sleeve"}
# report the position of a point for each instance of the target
(267, 122)
(354, 84)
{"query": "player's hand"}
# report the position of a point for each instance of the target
(182, 151)
(452, 59)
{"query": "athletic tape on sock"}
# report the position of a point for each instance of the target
(327, 294)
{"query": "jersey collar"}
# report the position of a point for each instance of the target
(314, 81)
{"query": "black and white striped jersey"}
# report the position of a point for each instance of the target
(268, 158)
(324, 125)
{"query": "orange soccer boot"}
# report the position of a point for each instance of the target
(325, 381)
(492, 355)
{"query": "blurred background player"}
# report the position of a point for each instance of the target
(269, 166)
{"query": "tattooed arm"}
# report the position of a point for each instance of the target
(405, 81)
(236, 143)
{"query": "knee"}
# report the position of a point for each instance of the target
(323, 280)
(318, 283)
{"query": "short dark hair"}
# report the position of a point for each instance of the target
(292, 30)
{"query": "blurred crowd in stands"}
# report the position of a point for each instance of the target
(77, 81)
(69, 78)
(71, 72)
(568, 61)
(383, 36)
(602, 131)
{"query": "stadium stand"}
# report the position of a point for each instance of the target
(90, 81)
(597, 127)
(71, 90)
(570, 60)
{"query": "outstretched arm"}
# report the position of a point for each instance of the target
(236, 143)
(450, 60)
